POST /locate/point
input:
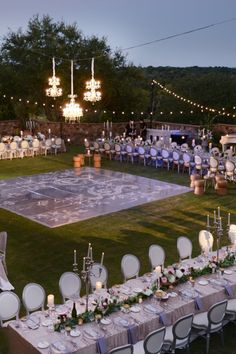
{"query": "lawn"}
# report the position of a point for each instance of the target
(39, 254)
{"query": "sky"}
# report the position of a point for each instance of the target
(126, 23)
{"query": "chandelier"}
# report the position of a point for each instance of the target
(92, 95)
(72, 111)
(53, 81)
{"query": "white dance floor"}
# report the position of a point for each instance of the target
(60, 198)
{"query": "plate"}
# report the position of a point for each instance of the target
(137, 290)
(135, 309)
(47, 323)
(106, 321)
(173, 294)
(43, 344)
(150, 309)
(228, 272)
(75, 333)
(203, 282)
(90, 333)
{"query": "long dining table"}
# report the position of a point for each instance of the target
(146, 315)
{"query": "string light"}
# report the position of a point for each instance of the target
(192, 103)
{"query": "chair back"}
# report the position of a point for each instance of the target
(229, 166)
(129, 148)
(130, 266)
(2, 147)
(141, 150)
(107, 146)
(154, 341)
(206, 240)
(13, 145)
(9, 306)
(98, 273)
(184, 247)
(96, 145)
(33, 297)
(165, 153)
(35, 143)
(182, 329)
(173, 145)
(70, 285)
(48, 143)
(24, 144)
(3, 241)
(124, 349)
(213, 163)
(117, 147)
(153, 152)
(197, 160)
(197, 149)
(58, 141)
(156, 256)
(186, 157)
(232, 234)
(216, 312)
(176, 156)
(86, 144)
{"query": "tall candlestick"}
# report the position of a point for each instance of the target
(91, 253)
(214, 216)
(102, 258)
(220, 224)
(74, 256)
(89, 245)
(208, 220)
(218, 212)
(228, 219)
(84, 264)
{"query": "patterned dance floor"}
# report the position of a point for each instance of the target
(60, 198)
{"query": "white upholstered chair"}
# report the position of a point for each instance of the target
(3, 248)
(33, 297)
(130, 266)
(124, 349)
(206, 240)
(9, 306)
(152, 344)
(70, 285)
(156, 256)
(184, 247)
(98, 273)
(232, 234)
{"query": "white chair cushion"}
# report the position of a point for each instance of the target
(138, 348)
(231, 306)
(200, 321)
(169, 338)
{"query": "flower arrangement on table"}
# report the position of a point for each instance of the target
(169, 277)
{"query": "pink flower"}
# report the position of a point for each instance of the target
(164, 280)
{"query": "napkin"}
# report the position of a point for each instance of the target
(101, 345)
(163, 319)
(132, 332)
(198, 303)
(229, 290)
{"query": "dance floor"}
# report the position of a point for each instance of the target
(60, 198)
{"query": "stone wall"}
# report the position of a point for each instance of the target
(79, 131)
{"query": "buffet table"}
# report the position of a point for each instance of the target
(145, 316)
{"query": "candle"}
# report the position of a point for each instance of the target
(103, 133)
(220, 224)
(49, 131)
(89, 245)
(110, 134)
(74, 256)
(214, 216)
(98, 285)
(102, 258)
(228, 219)
(84, 263)
(21, 133)
(208, 220)
(91, 253)
(50, 300)
(88, 152)
(218, 212)
(158, 271)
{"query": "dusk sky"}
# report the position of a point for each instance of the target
(126, 23)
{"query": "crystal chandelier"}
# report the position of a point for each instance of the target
(72, 111)
(53, 81)
(92, 95)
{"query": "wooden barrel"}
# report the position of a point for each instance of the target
(97, 160)
(77, 161)
(221, 187)
(193, 178)
(219, 178)
(81, 158)
(199, 187)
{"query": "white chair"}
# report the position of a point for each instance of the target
(178, 335)
(211, 321)
(130, 152)
(232, 234)
(57, 145)
(187, 162)
(176, 160)
(130, 266)
(230, 313)
(98, 273)
(118, 151)
(48, 146)
(70, 285)
(35, 147)
(205, 240)
(156, 256)
(141, 155)
(165, 158)
(184, 247)
(33, 297)
(96, 147)
(154, 155)
(24, 148)
(213, 165)
(197, 149)
(3, 151)
(107, 148)
(230, 170)
(124, 349)
(13, 151)
(9, 306)
(3, 248)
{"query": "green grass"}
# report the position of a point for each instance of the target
(39, 254)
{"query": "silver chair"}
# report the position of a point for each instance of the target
(211, 322)
(178, 335)
(130, 266)
(124, 349)
(98, 273)
(3, 248)
(9, 306)
(154, 341)
(33, 297)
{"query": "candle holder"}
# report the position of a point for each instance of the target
(85, 275)
(217, 230)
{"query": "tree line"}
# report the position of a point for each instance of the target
(26, 64)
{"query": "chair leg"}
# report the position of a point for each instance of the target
(222, 337)
(207, 343)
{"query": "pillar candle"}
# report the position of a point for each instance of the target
(218, 212)
(98, 285)
(228, 219)
(102, 258)
(89, 245)
(74, 256)
(50, 300)
(208, 220)
(84, 263)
